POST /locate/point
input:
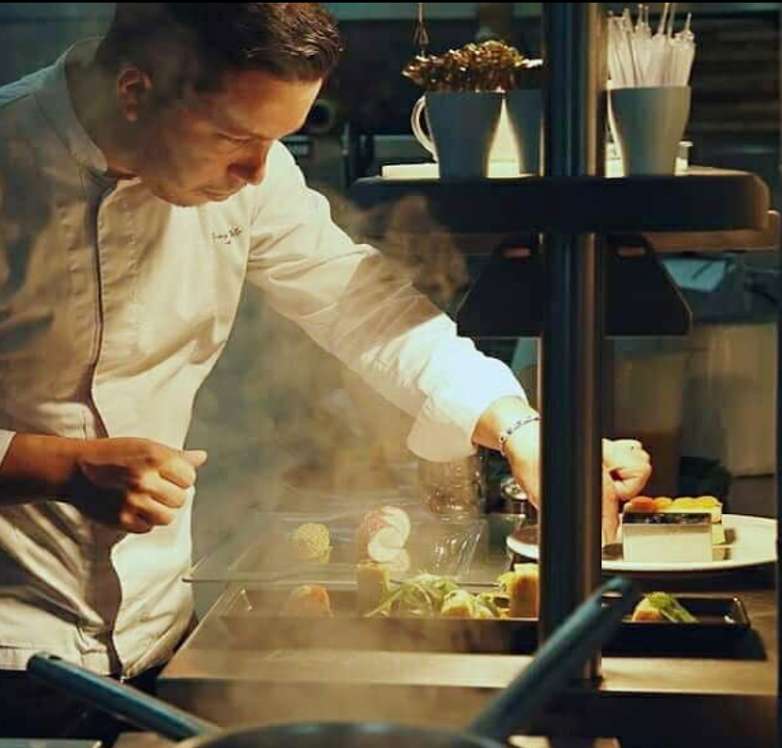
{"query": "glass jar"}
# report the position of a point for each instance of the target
(453, 490)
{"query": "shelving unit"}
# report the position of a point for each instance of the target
(574, 209)
(640, 298)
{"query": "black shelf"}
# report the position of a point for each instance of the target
(702, 200)
(641, 298)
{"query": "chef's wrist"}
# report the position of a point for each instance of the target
(64, 465)
(40, 465)
(506, 419)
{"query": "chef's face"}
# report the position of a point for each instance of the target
(209, 145)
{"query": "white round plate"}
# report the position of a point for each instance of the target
(751, 541)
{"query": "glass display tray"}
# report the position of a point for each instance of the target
(259, 550)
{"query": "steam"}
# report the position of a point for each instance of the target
(277, 402)
(284, 700)
(286, 424)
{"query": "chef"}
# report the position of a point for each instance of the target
(142, 182)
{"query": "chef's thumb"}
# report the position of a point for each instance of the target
(196, 457)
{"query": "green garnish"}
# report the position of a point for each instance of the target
(670, 608)
(491, 601)
(430, 596)
(419, 596)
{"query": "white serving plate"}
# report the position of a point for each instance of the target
(751, 542)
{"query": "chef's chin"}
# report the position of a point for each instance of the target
(183, 199)
(189, 198)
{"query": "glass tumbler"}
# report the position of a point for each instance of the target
(453, 490)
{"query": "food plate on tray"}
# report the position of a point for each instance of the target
(750, 541)
(255, 617)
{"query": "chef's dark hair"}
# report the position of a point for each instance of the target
(196, 43)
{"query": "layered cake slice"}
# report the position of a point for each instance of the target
(671, 530)
(700, 504)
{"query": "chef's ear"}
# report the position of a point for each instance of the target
(134, 92)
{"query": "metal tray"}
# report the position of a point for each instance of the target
(250, 618)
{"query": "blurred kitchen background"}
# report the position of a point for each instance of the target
(275, 400)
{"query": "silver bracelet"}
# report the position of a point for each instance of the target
(512, 429)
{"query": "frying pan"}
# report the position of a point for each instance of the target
(571, 645)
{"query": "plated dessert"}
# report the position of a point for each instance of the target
(667, 530)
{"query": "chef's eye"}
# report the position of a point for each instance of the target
(234, 139)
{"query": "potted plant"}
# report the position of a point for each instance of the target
(463, 96)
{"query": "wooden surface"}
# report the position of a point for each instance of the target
(719, 241)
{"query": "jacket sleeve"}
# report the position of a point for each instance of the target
(363, 309)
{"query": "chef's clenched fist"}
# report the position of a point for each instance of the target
(133, 484)
(627, 468)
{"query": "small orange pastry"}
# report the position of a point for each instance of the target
(640, 504)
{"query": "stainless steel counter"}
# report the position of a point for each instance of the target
(646, 701)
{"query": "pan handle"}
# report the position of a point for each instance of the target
(569, 647)
(124, 701)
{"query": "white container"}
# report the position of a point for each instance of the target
(647, 124)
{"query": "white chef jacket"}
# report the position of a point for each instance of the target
(114, 307)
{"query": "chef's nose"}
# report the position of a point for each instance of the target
(251, 167)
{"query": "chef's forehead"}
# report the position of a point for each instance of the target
(254, 103)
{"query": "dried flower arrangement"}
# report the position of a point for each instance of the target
(489, 66)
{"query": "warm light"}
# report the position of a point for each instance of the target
(503, 157)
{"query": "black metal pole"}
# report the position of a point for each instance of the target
(573, 327)
(778, 579)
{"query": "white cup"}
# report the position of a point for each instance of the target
(462, 125)
(525, 112)
(647, 125)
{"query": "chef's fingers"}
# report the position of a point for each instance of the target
(130, 521)
(528, 477)
(148, 508)
(610, 509)
(196, 457)
(136, 525)
(627, 444)
(629, 481)
(162, 491)
(178, 471)
(619, 451)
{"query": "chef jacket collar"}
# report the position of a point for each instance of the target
(55, 100)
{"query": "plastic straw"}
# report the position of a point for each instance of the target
(636, 57)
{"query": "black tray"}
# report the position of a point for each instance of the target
(251, 621)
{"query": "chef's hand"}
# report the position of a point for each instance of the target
(132, 484)
(627, 468)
